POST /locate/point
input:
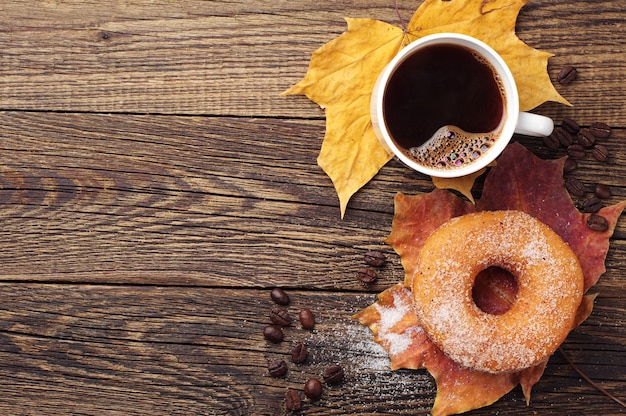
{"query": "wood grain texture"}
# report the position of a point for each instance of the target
(194, 200)
(138, 350)
(181, 219)
(154, 187)
(234, 58)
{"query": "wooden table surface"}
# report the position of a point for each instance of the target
(155, 187)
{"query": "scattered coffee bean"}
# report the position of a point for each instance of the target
(273, 333)
(307, 319)
(575, 187)
(279, 296)
(552, 141)
(570, 165)
(600, 153)
(567, 75)
(277, 368)
(570, 126)
(576, 151)
(586, 139)
(366, 275)
(564, 137)
(602, 191)
(280, 316)
(600, 130)
(293, 403)
(313, 389)
(375, 258)
(298, 353)
(593, 204)
(597, 222)
(333, 374)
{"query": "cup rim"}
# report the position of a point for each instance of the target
(506, 77)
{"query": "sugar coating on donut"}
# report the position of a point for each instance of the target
(550, 289)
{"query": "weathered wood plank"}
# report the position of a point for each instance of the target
(160, 350)
(137, 250)
(234, 58)
(116, 197)
(204, 201)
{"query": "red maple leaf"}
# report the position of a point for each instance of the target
(520, 181)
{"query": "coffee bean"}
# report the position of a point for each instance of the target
(567, 75)
(279, 296)
(333, 374)
(600, 153)
(277, 368)
(600, 130)
(313, 389)
(375, 258)
(293, 403)
(564, 137)
(575, 187)
(602, 191)
(280, 316)
(593, 204)
(366, 275)
(576, 151)
(570, 165)
(273, 333)
(298, 353)
(585, 138)
(552, 141)
(570, 125)
(307, 319)
(597, 222)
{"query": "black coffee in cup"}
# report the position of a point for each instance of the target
(444, 106)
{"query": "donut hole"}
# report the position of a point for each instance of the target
(495, 290)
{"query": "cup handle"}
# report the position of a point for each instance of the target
(530, 124)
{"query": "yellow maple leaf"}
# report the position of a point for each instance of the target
(463, 184)
(340, 79)
(342, 74)
(493, 22)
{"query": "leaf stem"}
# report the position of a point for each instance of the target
(590, 381)
(402, 23)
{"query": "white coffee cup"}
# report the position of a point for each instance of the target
(513, 121)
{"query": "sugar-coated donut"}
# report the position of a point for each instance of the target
(550, 289)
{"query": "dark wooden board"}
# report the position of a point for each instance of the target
(160, 350)
(154, 186)
(234, 58)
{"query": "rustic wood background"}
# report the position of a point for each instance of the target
(155, 186)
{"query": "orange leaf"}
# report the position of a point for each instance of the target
(521, 181)
(460, 389)
(396, 328)
(416, 218)
(342, 74)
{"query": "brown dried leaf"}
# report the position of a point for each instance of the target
(416, 218)
(520, 181)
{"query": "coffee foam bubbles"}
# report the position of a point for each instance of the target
(452, 148)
